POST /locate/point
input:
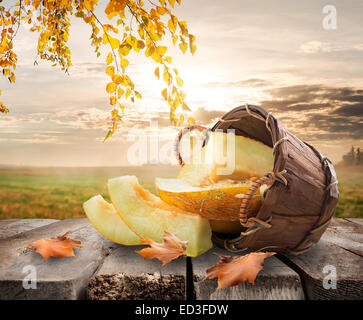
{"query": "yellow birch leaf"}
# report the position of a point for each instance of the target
(183, 28)
(104, 38)
(111, 87)
(156, 57)
(115, 43)
(128, 92)
(183, 47)
(157, 73)
(140, 44)
(115, 115)
(88, 5)
(117, 79)
(164, 93)
(179, 81)
(114, 126)
(172, 2)
(175, 39)
(171, 25)
(141, 32)
(191, 120)
(161, 50)
(112, 100)
(110, 70)
(185, 107)
(108, 135)
(166, 76)
(124, 63)
(109, 58)
(161, 10)
(124, 50)
(120, 93)
(181, 120)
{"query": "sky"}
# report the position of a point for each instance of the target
(276, 54)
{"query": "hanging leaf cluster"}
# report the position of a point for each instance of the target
(132, 25)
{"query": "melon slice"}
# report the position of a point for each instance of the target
(216, 201)
(247, 158)
(107, 222)
(149, 217)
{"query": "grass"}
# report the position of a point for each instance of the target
(58, 193)
(350, 204)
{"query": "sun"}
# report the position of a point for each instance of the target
(203, 90)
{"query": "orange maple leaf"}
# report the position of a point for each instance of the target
(232, 270)
(170, 249)
(59, 247)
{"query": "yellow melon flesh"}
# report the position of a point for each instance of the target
(107, 222)
(251, 159)
(149, 217)
(216, 201)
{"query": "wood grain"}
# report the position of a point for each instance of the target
(276, 282)
(320, 261)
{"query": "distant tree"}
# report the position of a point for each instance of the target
(131, 26)
(357, 157)
(348, 159)
(352, 154)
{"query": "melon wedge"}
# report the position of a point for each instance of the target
(215, 201)
(248, 157)
(108, 223)
(149, 217)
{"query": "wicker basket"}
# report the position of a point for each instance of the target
(299, 212)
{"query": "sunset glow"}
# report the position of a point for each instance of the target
(272, 53)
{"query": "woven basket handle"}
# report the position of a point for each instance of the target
(269, 179)
(181, 133)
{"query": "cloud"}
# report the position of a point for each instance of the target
(312, 47)
(350, 110)
(248, 83)
(317, 111)
(207, 117)
(316, 46)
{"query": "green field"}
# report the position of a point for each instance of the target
(350, 185)
(59, 192)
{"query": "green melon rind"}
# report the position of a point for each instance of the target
(108, 223)
(151, 224)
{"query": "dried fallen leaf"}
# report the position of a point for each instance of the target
(55, 247)
(170, 249)
(232, 270)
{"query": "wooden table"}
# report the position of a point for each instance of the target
(332, 269)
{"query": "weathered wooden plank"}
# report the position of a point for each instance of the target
(345, 234)
(126, 275)
(276, 282)
(11, 227)
(326, 264)
(56, 278)
(355, 220)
